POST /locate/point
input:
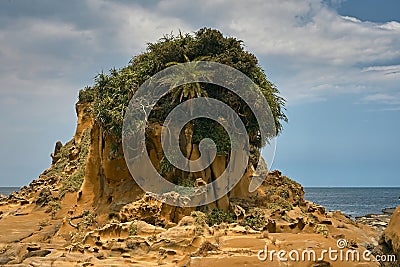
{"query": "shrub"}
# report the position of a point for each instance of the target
(165, 166)
(270, 191)
(54, 206)
(78, 238)
(217, 216)
(74, 182)
(200, 220)
(321, 229)
(133, 229)
(284, 193)
(86, 95)
(88, 220)
(255, 219)
(280, 204)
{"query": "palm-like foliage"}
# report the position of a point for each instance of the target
(112, 92)
(182, 91)
(184, 73)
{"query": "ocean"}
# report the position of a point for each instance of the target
(7, 190)
(357, 201)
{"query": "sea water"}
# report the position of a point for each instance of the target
(7, 190)
(354, 201)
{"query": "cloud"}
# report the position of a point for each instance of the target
(130, 26)
(389, 99)
(50, 49)
(326, 56)
(392, 25)
(392, 71)
(308, 50)
(38, 54)
(306, 47)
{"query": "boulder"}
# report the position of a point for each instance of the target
(55, 156)
(390, 240)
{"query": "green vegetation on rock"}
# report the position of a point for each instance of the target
(217, 216)
(112, 92)
(73, 182)
(200, 220)
(255, 219)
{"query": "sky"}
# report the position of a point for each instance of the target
(336, 62)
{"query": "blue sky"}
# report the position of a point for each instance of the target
(336, 62)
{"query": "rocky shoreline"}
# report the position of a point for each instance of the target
(379, 222)
(32, 233)
(86, 210)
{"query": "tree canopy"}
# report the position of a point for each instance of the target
(111, 92)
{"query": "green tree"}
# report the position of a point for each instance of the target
(111, 92)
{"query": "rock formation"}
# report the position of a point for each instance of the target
(86, 208)
(390, 240)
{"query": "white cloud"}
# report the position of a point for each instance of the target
(390, 99)
(355, 20)
(131, 27)
(327, 54)
(41, 57)
(307, 48)
(393, 25)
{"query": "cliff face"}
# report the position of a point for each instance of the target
(390, 240)
(108, 186)
(91, 171)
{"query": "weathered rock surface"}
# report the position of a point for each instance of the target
(86, 210)
(379, 222)
(390, 240)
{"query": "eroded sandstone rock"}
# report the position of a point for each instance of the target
(390, 240)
